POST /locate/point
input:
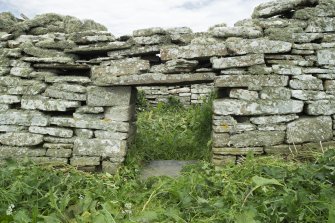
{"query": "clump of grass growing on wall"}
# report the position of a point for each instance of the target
(172, 131)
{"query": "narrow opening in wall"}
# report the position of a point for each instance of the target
(171, 131)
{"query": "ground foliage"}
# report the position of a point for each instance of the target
(263, 189)
(173, 131)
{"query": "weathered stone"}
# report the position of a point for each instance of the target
(259, 107)
(109, 96)
(257, 138)
(4, 107)
(274, 8)
(85, 161)
(319, 146)
(156, 78)
(109, 167)
(307, 95)
(61, 153)
(321, 24)
(326, 57)
(33, 89)
(20, 139)
(321, 107)
(240, 31)
(57, 146)
(49, 160)
(99, 48)
(9, 81)
(88, 116)
(47, 104)
(52, 131)
(9, 99)
(19, 152)
(151, 40)
(21, 117)
(251, 81)
(272, 127)
(110, 135)
(306, 37)
(99, 147)
(79, 37)
(95, 39)
(49, 60)
(43, 53)
(12, 128)
(21, 71)
(135, 51)
(238, 151)
(70, 79)
(149, 32)
(58, 65)
(57, 140)
(58, 45)
(69, 87)
(287, 69)
(120, 113)
(310, 130)
(273, 119)
(90, 110)
(105, 124)
(240, 61)
(196, 51)
(275, 93)
(175, 66)
(232, 129)
(306, 82)
(57, 93)
(84, 133)
(257, 46)
(243, 94)
(116, 68)
(219, 160)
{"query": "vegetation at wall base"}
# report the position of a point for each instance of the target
(263, 189)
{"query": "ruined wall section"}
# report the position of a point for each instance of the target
(68, 87)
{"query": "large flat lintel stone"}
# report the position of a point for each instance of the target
(237, 151)
(156, 79)
(258, 107)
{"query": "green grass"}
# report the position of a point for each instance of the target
(172, 131)
(264, 189)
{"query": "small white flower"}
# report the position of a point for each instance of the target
(10, 209)
(81, 197)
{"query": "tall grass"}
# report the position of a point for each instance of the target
(172, 131)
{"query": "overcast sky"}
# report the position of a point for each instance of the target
(123, 16)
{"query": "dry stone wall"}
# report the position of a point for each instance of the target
(68, 87)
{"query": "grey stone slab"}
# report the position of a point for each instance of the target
(259, 107)
(257, 46)
(307, 95)
(70, 79)
(12, 128)
(90, 110)
(306, 82)
(321, 107)
(47, 104)
(120, 113)
(99, 48)
(52, 131)
(251, 81)
(33, 89)
(306, 37)
(61, 153)
(275, 93)
(326, 57)
(310, 130)
(274, 8)
(257, 138)
(237, 151)
(194, 51)
(321, 24)
(76, 88)
(108, 125)
(109, 96)
(240, 61)
(10, 99)
(99, 147)
(243, 94)
(100, 134)
(84, 133)
(240, 31)
(156, 78)
(149, 31)
(85, 161)
(20, 139)
(273, 119)
(57, 146)
(175, 66)
(152, 40)
(23, 117)
(57, 93)
(20, 152)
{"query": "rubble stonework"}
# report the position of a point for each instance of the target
(68, 87)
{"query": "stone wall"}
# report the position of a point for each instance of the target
(186, 94)
(68, 86)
